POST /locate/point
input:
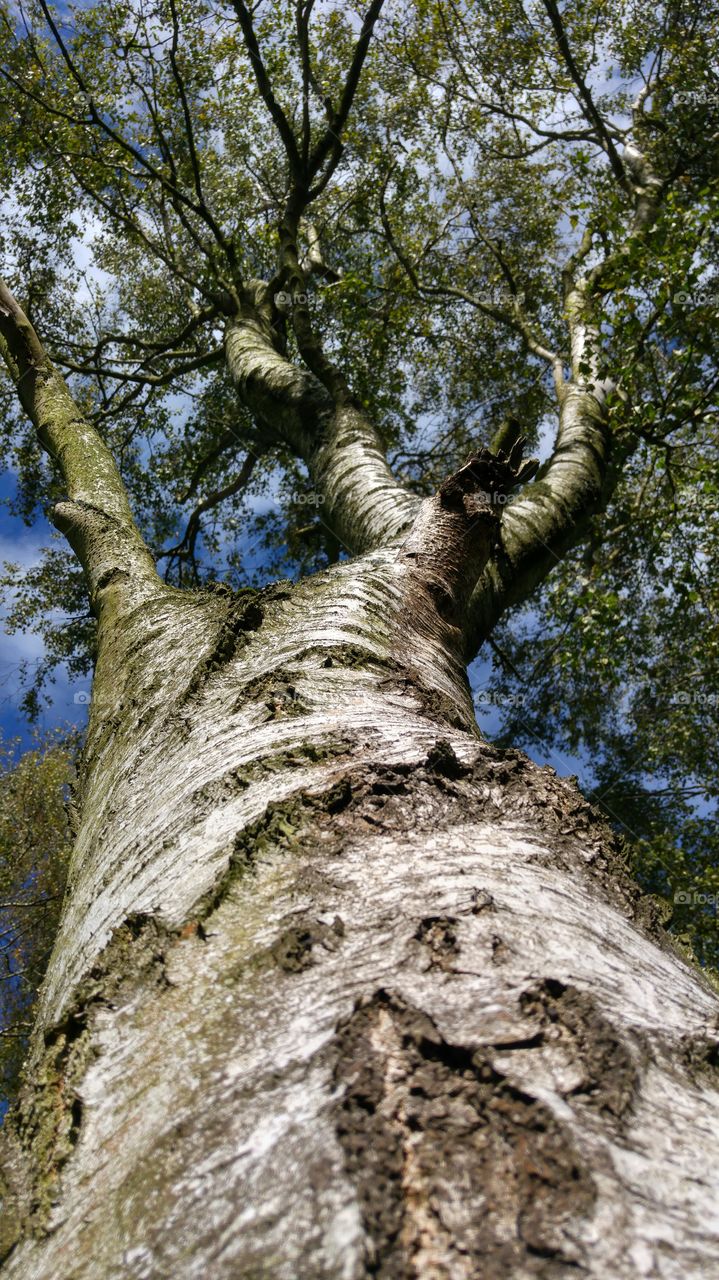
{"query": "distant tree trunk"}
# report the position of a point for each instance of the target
(340, 989)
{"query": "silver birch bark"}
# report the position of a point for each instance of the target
(343, 991)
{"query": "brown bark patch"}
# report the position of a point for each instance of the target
(482, 900)
(443, 761)
(700, 1054)
(609, 1073)
(292, 950)
(439, 935)
(459, 1174)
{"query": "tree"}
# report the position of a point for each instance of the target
(340, 989)
(35, 843)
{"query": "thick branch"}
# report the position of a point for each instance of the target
(456, 529)
(97, 519)
(362, 502)
(550, 516)
(313, 262)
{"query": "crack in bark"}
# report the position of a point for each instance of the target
(700, 1054)
(439, 935)
(245, 612)
(215, 793)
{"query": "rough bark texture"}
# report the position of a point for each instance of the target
(340, 990)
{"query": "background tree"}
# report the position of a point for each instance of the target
(323, 239)
(35, 843)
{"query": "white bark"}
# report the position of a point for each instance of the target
(342, 991)
(339, 991)
(549, 516)
(362, 501)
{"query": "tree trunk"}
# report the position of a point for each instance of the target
(340, 990)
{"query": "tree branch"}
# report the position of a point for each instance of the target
(550, 516)
(515, 319)
(590, 110)
(225, 442)
(146, 379)
(281, 122)
(331, 142)
(362, 502)
(185, 549)
(97, 519)
(191, 145)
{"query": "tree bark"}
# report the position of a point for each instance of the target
(341, 990)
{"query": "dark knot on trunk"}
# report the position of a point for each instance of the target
(486, 473)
